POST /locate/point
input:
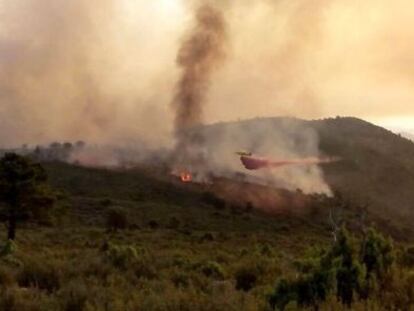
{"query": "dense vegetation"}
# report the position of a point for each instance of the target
(23, 191)
(359, 274)
(129, 241)
(134, 240)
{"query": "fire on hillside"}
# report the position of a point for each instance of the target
(186, 177)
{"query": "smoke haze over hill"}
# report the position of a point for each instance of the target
(105, 71)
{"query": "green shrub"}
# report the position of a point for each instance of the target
(174, 223)
(11, 261)
(181, 261)
(18, 299)
(246, 278)
(144, 269)
(116, 219)
(7, 277)
(407, 257)
(153, 224)
(207, 237)
(213, 270)
(266, 250)
(223, 257)
(351, 269)
(283, 294)
(74, 296)
(180, 279)
(8, 248)
(377, 254)
(121, 257)
(93, 266)
(244, 252)
(40, 274)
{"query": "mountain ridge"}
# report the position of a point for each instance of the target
(377, 166)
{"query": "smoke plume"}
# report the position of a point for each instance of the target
(201, 52)
(104, 71)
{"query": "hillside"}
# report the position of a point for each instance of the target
(215, 246)
(408, 135)
(149, 197)
(376, 171)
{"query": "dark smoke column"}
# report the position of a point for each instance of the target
(202, 51)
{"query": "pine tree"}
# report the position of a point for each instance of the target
(23, 191)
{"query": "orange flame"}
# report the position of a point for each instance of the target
(186, 177)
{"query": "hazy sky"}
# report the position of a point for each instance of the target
(104, 70)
